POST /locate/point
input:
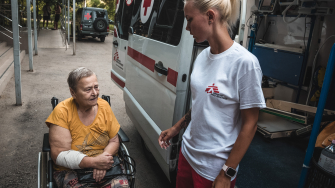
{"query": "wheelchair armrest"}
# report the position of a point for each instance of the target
(123, 136)
(46, 145)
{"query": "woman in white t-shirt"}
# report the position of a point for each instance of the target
(226, 98)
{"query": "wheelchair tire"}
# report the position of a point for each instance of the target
(44, 170)
(147, 152)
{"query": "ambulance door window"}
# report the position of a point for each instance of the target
(123, 18)
(118, 18)
(170, 22)
(141, 27)
(165, 22)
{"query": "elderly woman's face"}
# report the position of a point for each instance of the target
(197, 22)
(87, 91)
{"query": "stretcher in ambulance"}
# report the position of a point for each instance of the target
(152, 62)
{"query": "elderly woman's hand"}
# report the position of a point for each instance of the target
(103, 161)
(98, 175)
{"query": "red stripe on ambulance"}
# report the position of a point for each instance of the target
(172, 77)
(117, 80)
(141, 58)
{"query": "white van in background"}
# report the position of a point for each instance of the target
(152, 62)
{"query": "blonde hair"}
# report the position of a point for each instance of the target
(229, 10)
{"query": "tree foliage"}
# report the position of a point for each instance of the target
(109, 5)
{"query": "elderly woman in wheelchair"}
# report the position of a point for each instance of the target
(83, 133)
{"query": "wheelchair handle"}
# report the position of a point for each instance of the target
(54, 102)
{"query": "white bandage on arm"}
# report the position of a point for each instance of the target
(70, 159)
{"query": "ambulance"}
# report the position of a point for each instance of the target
(153, 56)
(152, 62)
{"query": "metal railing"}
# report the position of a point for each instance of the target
(64, 20)
(8, 29)
(63, 30)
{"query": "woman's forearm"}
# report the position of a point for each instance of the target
(183, 122)
(249, 128)
(113, 145)
(241, 146)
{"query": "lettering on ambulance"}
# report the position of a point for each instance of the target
(119, 58)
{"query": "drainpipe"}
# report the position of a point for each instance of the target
(35, 28)
(31, 67)
(74, 27)
(16, 45)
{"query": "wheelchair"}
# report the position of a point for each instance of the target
(45, 163)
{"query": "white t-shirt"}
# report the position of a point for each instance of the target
(222, 85)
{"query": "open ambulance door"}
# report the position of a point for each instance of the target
(158, 62)
(123, 15)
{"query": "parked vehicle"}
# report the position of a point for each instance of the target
(93, 22)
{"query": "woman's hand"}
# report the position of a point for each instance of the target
(221, 181)
(165, 137)
(98, 175)
(103, 161)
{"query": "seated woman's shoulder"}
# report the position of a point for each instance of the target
(65, 104)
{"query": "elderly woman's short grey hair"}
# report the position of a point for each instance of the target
(76, 75)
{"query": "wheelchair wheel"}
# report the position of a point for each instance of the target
(42, 170)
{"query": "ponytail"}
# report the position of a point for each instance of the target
(228, 9)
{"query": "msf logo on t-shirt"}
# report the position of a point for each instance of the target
(212, 89)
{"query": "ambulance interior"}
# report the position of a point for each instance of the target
(292, 40)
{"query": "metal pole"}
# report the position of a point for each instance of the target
(16, 45)
(68, 21)
(85, 3)
(74, 27)
(318, 116)
(30, 48)
(35, 28)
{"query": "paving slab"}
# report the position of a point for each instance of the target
(48, 38)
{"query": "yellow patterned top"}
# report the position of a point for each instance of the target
(91, 139)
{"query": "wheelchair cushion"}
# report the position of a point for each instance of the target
(46, 145)
(123, 135)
